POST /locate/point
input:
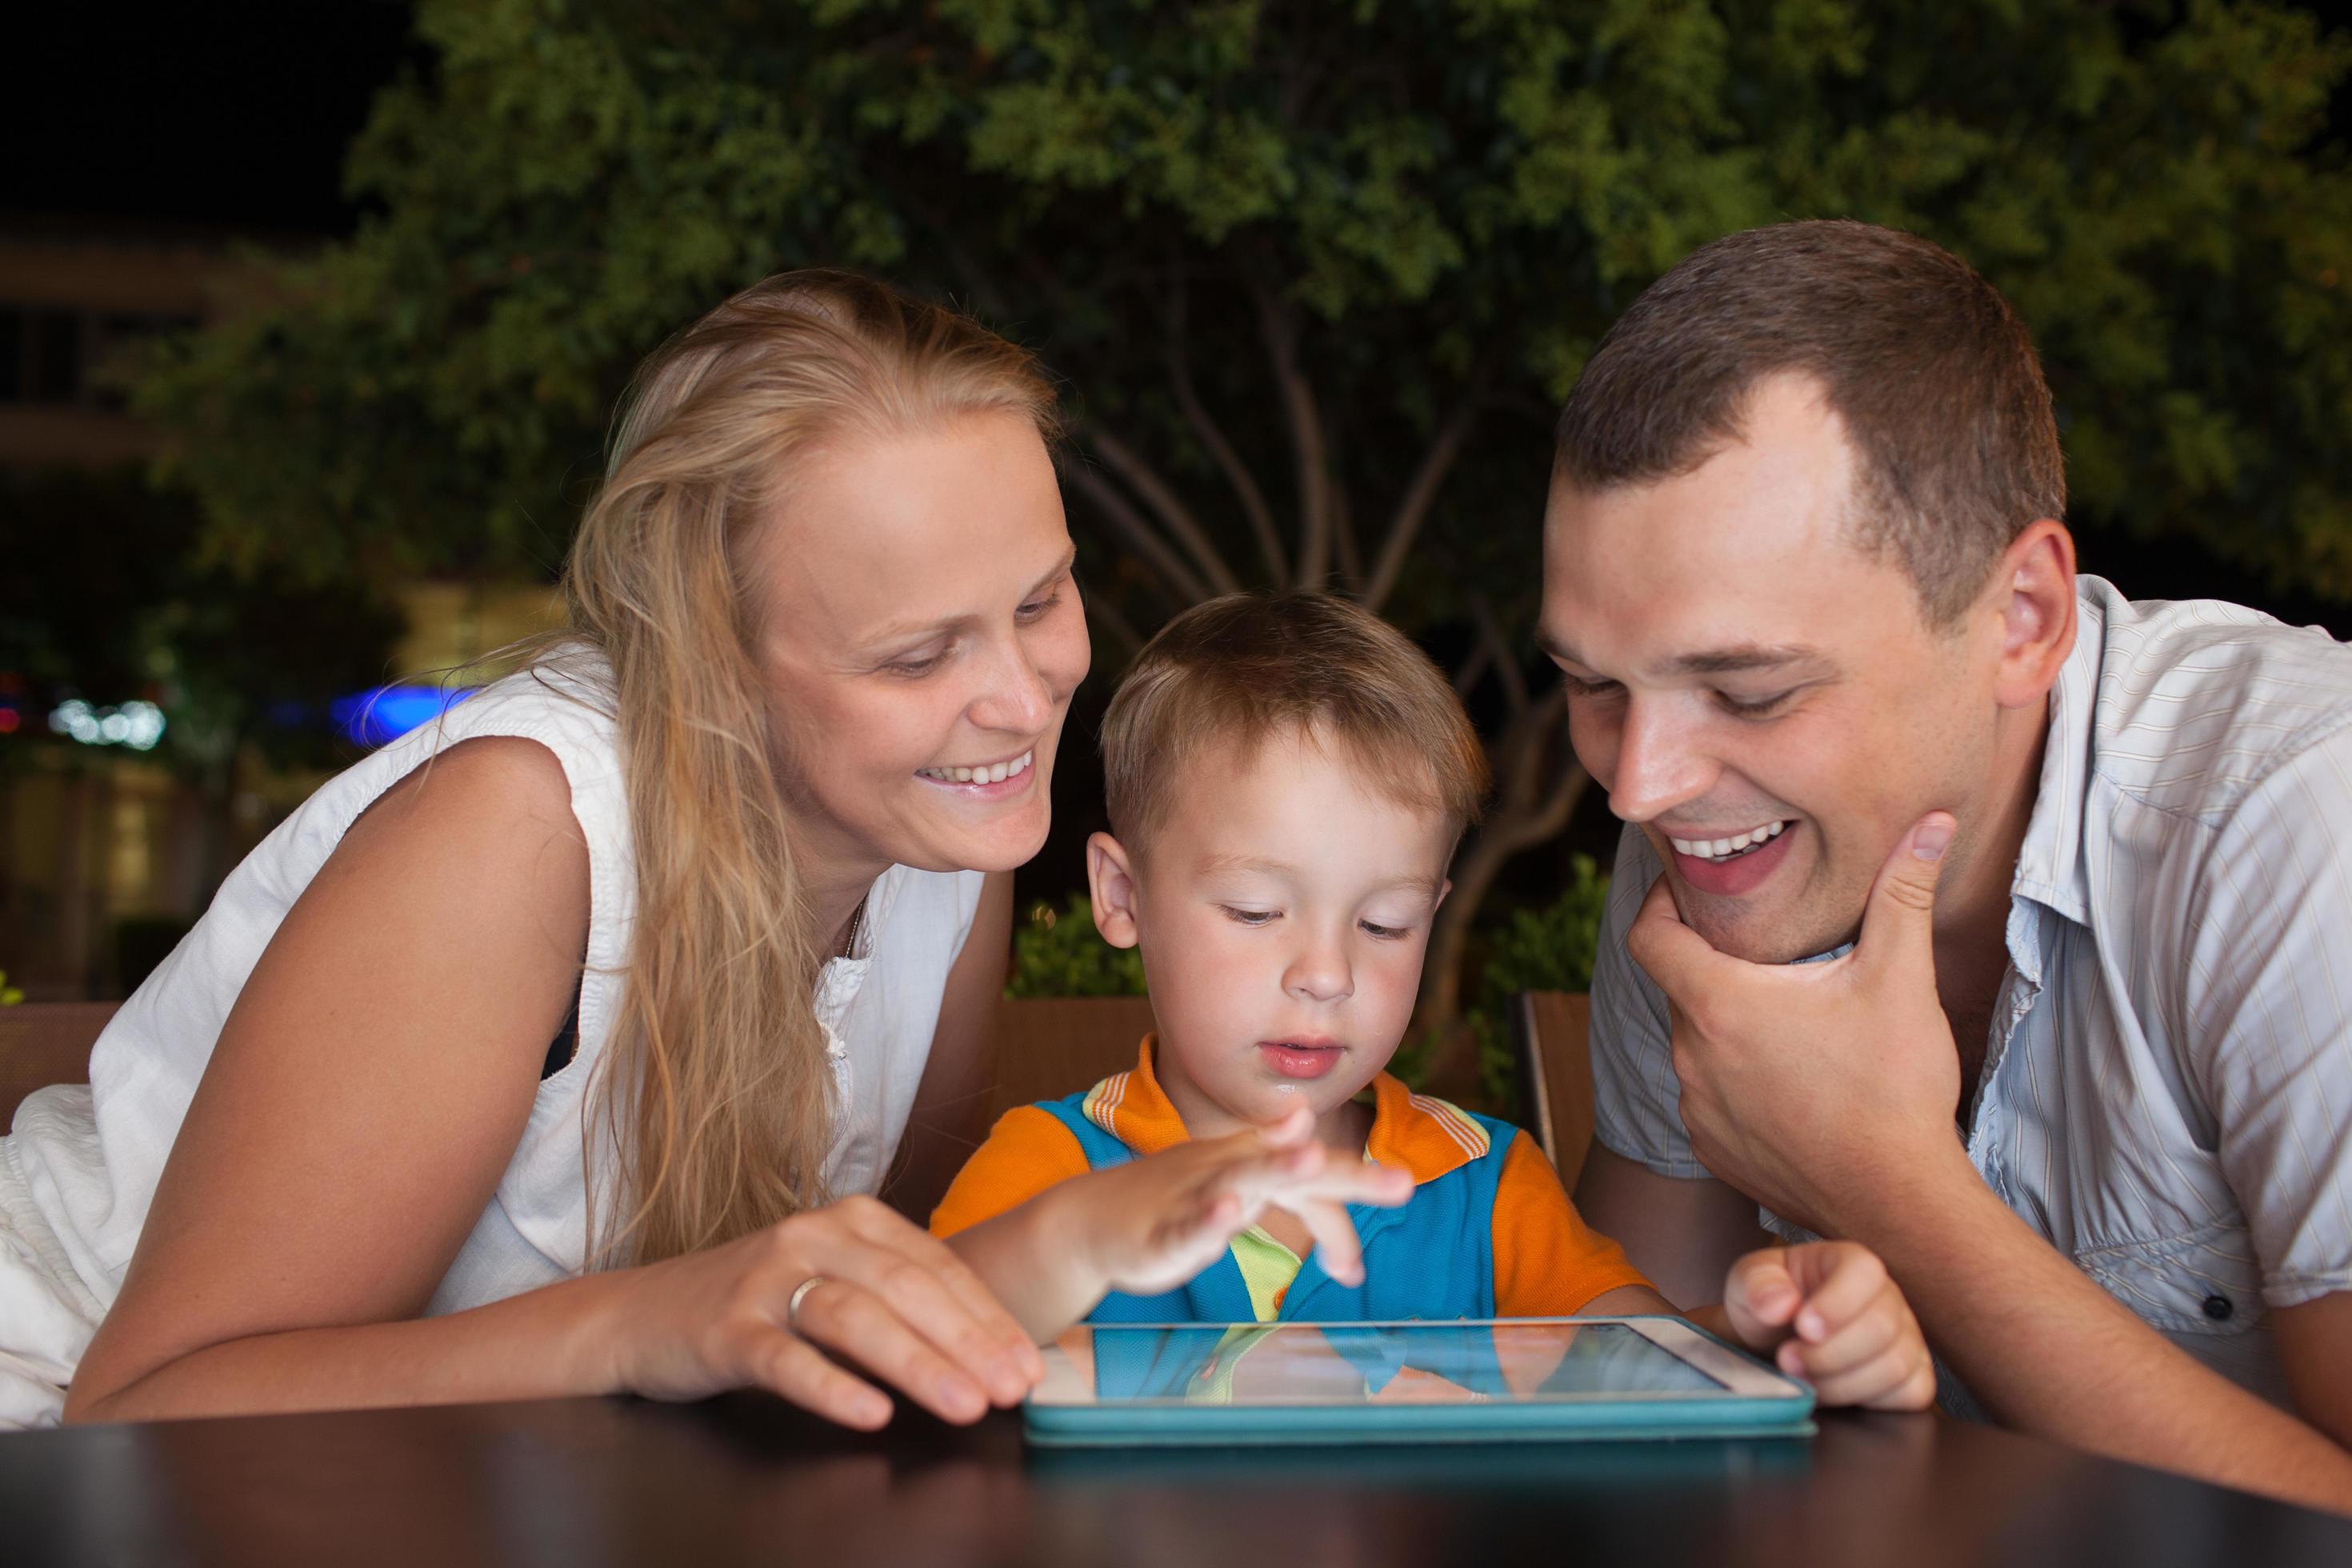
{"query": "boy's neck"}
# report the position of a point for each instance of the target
(1345, 1126)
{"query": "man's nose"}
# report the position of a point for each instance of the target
(1014, 696)
(1659, 766)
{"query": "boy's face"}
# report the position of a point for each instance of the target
(1283, 907)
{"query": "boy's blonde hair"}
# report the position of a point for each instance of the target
(1240, 668)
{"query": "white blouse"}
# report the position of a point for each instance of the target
(81, 1163)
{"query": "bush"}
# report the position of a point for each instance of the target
(1058, 952)
(1547, 949)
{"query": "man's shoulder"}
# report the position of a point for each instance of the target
(2196, 702)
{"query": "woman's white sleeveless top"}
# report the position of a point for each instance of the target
(80, 1165)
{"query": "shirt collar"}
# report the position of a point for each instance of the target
(2050, 865)
(1418, 1132)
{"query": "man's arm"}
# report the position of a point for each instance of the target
(1827, 1091)
(2044, 1348)
(1684, 1235)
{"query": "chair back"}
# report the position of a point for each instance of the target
(1049, 1047)
(42, 1043)
(1551, 1035)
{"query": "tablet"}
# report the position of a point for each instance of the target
(1535, 1378)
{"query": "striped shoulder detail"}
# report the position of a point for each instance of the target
(1102, 1101)
(1456, 1123)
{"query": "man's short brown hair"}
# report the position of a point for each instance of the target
(1238, 669)
(1932, 373)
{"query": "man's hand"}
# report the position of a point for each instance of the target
(1809, 1085)
(1831, 1315)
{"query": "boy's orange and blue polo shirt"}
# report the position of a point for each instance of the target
(1488, 1232)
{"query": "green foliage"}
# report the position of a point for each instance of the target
(9, 995)
(1060, 954)
(1433, 204)
(1547, 949)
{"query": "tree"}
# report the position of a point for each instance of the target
(1318, 274)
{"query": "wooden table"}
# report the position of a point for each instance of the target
(745, 1478)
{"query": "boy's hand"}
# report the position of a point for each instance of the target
(1837, 1322)
(1152, 1224)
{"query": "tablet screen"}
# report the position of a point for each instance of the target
(1299, 1364)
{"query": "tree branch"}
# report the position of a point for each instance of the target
(1137, 532)
(1306, 421)
(1420, 496)
(1173, 514)
(1498, 647)
(1211, 436)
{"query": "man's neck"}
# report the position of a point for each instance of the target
(1972, 909)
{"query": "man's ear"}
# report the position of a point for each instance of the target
(2034, 596)
(1110, 882)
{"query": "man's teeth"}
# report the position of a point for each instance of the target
(1725, 848)
(996, 773)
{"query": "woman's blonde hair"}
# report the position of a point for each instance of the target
(714, 1089)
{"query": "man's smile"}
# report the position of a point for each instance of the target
(1737, 864)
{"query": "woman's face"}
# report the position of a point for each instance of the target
(921, 636)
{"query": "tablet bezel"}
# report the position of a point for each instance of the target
(1737, 1375)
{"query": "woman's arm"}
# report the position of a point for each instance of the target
(367, 1093)
(951, 1113)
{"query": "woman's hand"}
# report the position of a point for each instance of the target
(889, 1299)
(1831, 1315)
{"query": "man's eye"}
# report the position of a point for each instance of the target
(1577, 687)
(1755, 707)
(1248, 916)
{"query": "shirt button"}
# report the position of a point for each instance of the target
(2219, 1308)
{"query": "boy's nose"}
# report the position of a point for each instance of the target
(1320, 975)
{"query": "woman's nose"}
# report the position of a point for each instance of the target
(1016, 698)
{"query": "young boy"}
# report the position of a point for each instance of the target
(1287, 777)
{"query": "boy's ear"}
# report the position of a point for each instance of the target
(1110, 882)
(1443, 889)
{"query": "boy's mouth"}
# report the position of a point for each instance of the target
(1302, 1058)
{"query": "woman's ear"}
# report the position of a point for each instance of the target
(2036, 605)
(1110, 881)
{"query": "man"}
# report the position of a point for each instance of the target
(2077, 1060)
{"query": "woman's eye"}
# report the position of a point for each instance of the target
(1035, 608)
(1755, 707)
(915, 667)
(1248, 916)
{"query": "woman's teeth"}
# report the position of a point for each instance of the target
(995, 773)
(1721, 850)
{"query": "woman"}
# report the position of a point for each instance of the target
(740, 844)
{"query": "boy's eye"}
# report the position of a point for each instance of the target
(1248, 916)
(1385, 933)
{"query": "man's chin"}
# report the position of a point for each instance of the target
(1762, 939)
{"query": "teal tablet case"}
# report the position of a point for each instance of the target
(1176, 1422)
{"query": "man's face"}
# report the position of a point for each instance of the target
(1764, 699)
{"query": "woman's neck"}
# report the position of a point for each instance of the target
(837, 885)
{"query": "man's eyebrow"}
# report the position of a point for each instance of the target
(1727, 660)
(917, 629)
(1743, 656)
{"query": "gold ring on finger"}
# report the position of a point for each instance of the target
(800, 1294)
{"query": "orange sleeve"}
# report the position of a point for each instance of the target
(1548, 1262)
(1027, 1151)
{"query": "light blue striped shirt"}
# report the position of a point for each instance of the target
(2167, 1092)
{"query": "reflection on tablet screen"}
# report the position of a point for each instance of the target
(1297, 1363)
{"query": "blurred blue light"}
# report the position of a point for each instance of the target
(376, 717)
